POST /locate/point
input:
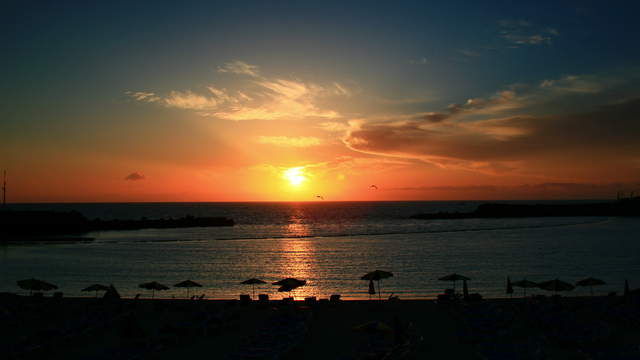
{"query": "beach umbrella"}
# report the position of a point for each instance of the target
(289, 284)
(555, 285)
(372, 289)
(253, 283)
(153, 286)
(187, 284)
(454, 277)
(377, 275)
(509, 287)
(96, 288)
(626, 288)
(590, 282)
(525, 284)
(111, 293)
(35, 285)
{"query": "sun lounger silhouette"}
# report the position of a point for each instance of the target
(245, 299)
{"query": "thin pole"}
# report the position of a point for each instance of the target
(4, 189)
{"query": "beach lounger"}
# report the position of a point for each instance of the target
(287, 301)
(263, 300)
(334, 299)
(201, 297)
(137, 297)
(310, 300)
(245, 299)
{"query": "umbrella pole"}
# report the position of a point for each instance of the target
(153, 292)
(254, 291)
(379, 292)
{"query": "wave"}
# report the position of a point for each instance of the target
(321, 235)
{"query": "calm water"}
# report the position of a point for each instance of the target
(330, 245)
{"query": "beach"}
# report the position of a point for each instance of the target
(531, 328)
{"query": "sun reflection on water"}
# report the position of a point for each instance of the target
(297, 255)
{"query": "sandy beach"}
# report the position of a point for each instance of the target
(533, 328)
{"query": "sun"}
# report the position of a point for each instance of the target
(295, 176)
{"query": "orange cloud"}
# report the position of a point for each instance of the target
(286, 141)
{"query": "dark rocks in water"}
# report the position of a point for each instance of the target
(495, 210)
(49, 225)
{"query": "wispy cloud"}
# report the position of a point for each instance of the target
(189, 100)
(522, 33)
(134, 176)
(286, 141)
(574, 84)
(239, 67)
(263, 99)
(535, 190)
(143, 96)
(333, 126)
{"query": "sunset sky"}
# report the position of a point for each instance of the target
(290, 100)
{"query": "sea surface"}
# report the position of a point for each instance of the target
(331, 245)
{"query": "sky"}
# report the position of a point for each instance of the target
(120, 101)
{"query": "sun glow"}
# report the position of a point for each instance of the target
(295, 176)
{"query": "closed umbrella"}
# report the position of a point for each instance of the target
(153, 286)
(590, 282)
(626, 288)
(454, 277)
(187, 284)
(96, 288)
(35, 285)
(509, 287)
(253, 283)
(465, 289)
(372, 289)
(525, 284)
(377, 275)
(556, 285)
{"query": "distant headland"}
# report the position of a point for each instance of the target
(621, 207)
(71, 225)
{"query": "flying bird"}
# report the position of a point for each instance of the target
(320, 197)
(374, 187)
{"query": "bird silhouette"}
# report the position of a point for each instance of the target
(374, 187)
(320, 197)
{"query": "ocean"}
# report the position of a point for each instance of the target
(331, 245)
